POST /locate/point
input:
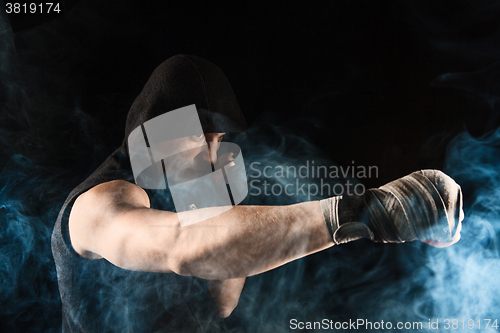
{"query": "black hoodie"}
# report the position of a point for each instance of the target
(100, 297)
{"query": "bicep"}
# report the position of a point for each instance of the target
(138, 239)
(115, 222)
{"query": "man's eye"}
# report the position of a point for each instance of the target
(221, 138)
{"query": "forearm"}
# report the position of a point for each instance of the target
(249, 240)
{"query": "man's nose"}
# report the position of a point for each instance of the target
(213, 147)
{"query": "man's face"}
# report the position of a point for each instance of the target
(198, 157)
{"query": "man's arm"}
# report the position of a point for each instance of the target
(113, 220)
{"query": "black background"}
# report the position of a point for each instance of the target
(362, 69)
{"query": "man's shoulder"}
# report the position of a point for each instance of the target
(113, 193)
(97, 206)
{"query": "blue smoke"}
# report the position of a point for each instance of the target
(412, 283)
(29, 203)
(45, 151)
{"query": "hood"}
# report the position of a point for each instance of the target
(184, 80)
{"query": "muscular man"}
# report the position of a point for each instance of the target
(125, 264)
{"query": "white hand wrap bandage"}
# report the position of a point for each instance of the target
(425, 205)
